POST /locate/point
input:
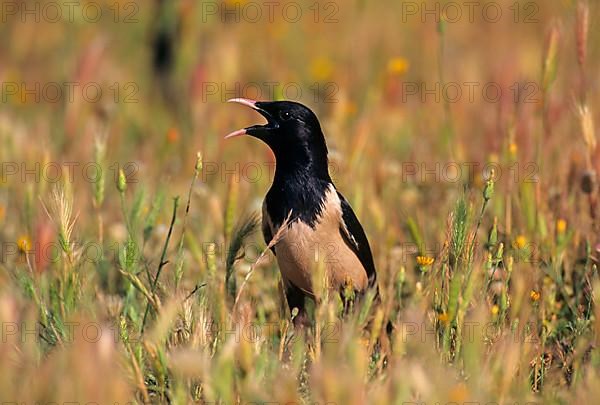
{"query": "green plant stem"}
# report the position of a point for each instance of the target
(162, 262)
(179, 270)
(472, 247)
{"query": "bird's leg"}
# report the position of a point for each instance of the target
(295, 298)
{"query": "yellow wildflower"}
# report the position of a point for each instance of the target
(495, 309)
(520, 242)
(443, 318)
(351, 108)
(397, 66)
(534, 295)
(425, 260)
(24, 243)
(493, 158)
(459, 393)
(561, 226)
(321, 69)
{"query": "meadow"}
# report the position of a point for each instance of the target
(133, 269)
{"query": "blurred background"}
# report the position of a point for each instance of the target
(422, 104)
(389, 81)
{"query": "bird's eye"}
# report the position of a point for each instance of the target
(284, 115)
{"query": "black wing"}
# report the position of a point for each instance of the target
(354, 235)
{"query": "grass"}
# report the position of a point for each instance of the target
(133, 269)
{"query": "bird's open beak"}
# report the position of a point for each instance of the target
(255, 105)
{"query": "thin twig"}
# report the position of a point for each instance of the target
(162, 259)
(276, 238)
(199, 286)
(137, 283)
(185, 217)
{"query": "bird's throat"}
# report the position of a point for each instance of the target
(300, 191)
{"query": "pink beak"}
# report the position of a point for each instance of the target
(246, 102)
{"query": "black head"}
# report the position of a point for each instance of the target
(292, 131)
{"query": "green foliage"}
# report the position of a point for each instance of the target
(242, 232)
(496, 305)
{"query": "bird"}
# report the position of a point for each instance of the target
(320, 223)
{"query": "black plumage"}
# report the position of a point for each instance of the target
(357, 239)
(321, 222)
